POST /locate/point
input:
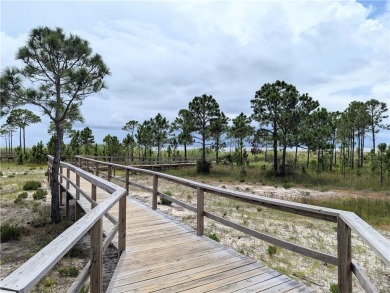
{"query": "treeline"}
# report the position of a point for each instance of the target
(286, 119)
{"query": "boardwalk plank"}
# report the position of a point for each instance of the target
(165, 255)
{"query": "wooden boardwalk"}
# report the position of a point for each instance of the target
(164, 255)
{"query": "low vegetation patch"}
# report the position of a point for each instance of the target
(32, 185)
(20, 197)
(39, 194)
(9, 232)
(68, 271)
(214, 237)
(374, 211)
(165, 201)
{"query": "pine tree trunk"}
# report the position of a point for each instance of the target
(275, 149)
(54, 183)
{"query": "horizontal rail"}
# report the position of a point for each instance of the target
(330, 259)
(369, 235)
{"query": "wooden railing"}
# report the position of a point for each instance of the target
(140, 161)
(346, 221)
(31, 272)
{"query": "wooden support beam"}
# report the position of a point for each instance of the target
(109, 172)
(127, 174)
(200, 212)
(78, 185)
(93, 195)
(155, 192)
(97, 169)
(68, 176)
(344, 257)
(122, 225)
(96, 277)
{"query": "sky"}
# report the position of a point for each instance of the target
(162, 54)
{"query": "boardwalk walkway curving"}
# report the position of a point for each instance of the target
(164, 255)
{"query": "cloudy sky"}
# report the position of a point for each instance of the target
(163, 54)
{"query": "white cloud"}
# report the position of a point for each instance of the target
(163, 54)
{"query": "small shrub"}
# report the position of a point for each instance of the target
(272, 250)
(165, 201)
(1, 173)
(39, 194)
(20, 197)
(334, 288)
(70, 271)
(32, 185)
(214, 237)
(49, 282)
(9, 232)
(84, 289)
(288, 185)
(203, 167)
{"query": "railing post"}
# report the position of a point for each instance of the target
(78, 185)
(68, 176)
(200, 212)
(97, 169)
(79, 162)
(93, 195)
(127, 181)
(122, 225)
(96, 277)
(67, 205)
(344, 257)
(109, 172)
(155, 191)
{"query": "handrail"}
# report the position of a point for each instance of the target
(27, 275)
(346, 222)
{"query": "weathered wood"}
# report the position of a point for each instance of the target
(67, 212)
(122, 225)
(362, 278)
(109, 172)
(68, 180)
(178, 202)
(369, 235)
(109, 237)
(127, 175)
(93, 195)
(96, 276)
(80, 280)
(78, 186)
(96, 168)
(276, 241)
(200, 211)
(344, 257)
(155, 192)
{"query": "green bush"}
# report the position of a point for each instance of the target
(20, 197)
(39, 194)
(70, 271)
(9, 232)
(203, 167)
(214, 237)
(165, 201)
(272, 250)
(334, 288)
(32, 185)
